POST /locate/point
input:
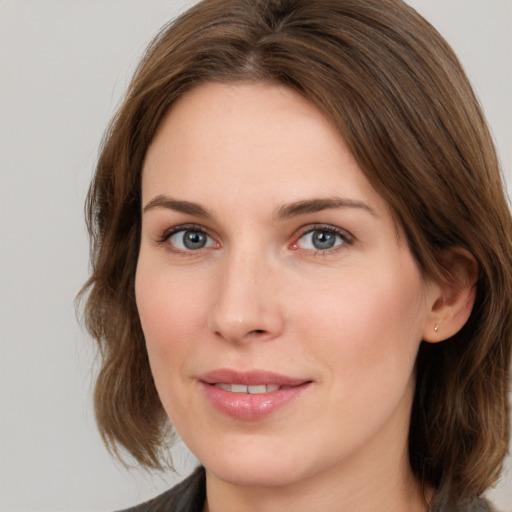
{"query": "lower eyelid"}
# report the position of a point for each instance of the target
(165, 238)
(346, 238)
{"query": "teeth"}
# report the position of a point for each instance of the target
(253, 390)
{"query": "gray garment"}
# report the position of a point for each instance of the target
(439, 504)
(190, 495)
(187, 496)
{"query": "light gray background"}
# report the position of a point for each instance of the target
(63, 67)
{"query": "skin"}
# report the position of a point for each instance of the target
(260, 295)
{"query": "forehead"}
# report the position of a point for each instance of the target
(238, 140)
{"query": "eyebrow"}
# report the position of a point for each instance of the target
(286, 211)
(315, 205)
(186, 207)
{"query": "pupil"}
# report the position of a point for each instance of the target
(194, 240)
(323, 239)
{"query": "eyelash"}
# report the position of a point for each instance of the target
(346, 238)
(164, 239)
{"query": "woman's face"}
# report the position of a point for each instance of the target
(281, 306)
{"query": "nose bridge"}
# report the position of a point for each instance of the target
(246, 306)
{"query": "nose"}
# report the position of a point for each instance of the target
(246, 306)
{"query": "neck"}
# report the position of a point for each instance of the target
(382, 482)
(375, 476)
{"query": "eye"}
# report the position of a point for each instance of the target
(190, 240)
(322, 239)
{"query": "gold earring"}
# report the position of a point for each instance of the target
(436, 328)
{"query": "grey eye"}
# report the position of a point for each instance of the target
(323, 240)
(320, 240)
(190, 240)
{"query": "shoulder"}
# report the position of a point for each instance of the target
(478, 505)
(187, 496)
(474, 505)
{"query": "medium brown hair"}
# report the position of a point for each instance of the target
(401, 101)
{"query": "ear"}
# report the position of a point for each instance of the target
(450, 302)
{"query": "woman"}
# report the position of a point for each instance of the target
(302, 263)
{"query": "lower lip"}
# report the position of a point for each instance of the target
(246, 406)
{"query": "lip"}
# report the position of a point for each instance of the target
(251, 407)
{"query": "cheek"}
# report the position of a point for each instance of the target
(367, 322)
(171, 310)
(171, 313)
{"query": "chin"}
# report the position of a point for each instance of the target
(261, 465)
(246, 473)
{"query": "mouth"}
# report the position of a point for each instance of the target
(257, 389)
(252, 382)
(251, 395)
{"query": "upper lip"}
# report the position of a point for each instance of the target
(250, 378)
